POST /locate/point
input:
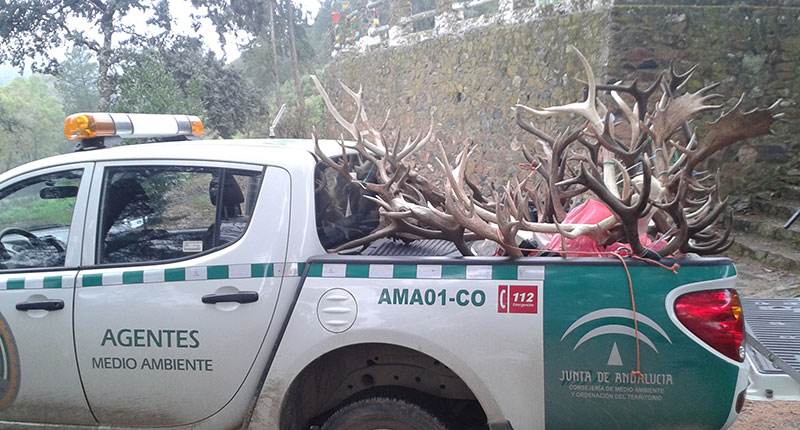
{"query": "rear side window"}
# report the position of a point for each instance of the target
(159, 213)
(343, 213)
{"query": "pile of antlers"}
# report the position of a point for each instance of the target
(646, 178)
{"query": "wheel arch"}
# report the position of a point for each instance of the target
(350, 372)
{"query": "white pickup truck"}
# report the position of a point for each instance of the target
(186, 285)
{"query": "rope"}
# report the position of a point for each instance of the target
(529, 166)
(674, 269)
(369, 173)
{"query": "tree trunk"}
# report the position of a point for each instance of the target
(301, 103)
(274, 54)
(104, 60)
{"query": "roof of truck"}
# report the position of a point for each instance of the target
(283, 152)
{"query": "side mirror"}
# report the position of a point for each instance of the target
(62, 192)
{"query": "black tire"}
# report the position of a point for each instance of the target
(383, 413)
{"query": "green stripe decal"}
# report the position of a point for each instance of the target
(315, 271)
(218, 272)
(174, 275)
(357, 271)
(16, 284)
(454, 272)
(405, 271)
(261, 270)
(94, 280)
(52, 282)
(135, 277)
(504, 272)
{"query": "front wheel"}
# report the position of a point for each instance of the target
(383, 413)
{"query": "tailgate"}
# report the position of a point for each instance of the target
(773, 350)
(590, 350)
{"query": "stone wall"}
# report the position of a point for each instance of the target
(751, 50)
(470, 80)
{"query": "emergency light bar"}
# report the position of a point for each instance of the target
(130, 125)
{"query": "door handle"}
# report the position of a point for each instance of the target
(240, 297)
(47, 305)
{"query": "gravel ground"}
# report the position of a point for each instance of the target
(755, 280)
(769, 416)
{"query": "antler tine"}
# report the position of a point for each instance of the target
(609, 142)
(557, 167)
(449, 174)
(418, 143)
(594, 148)
(628, 215)
(641, 96)
(717, 244)
(732, 127)
(680, 110)
(690, 146)
(350, 126)
(508, 230)
(676, 81)
(632, 116)
(588, 107)
(518, 108)
(709, 218)
(674, 209)
(342, 168)
(528, 155)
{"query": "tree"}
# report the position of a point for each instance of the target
(146, 86)
(295, 66)
(274, 52)
(176, 75)
(31, 122)
(31, 30)
(287, 57)
(76, 82)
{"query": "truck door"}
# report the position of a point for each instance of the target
(186, 262)
(41, 224)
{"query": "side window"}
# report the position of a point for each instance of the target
(159, 213)
(35, 216)
(342, 212)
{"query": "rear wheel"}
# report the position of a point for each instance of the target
(383, 413)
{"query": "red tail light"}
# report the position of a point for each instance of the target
(716, 318)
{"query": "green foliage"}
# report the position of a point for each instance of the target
(31, 122)
(76, 82)
(30, 212)
(316, 110)
(178, 76)
(33, 30)
(229, 102)
(111, 67)
(146, 86)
